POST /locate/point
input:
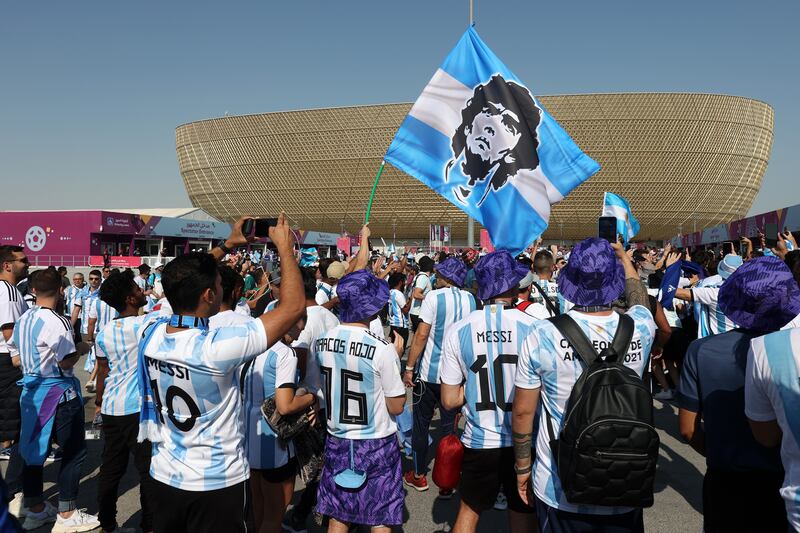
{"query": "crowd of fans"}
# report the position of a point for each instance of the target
(228, 375)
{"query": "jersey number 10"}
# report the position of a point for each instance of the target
(480, 367)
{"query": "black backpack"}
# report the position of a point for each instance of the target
(607, 450)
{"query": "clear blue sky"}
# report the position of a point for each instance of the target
(91, 91)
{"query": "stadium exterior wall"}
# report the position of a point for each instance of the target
(683, 160)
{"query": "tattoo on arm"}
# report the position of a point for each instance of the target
(522, 445)
(635, 293)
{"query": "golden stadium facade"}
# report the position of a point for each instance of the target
(682, 160)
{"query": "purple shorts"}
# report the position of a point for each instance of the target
(380, 500)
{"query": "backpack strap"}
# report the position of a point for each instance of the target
(547, 301)
(622, 337)
(575, 336)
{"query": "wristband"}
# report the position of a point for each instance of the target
(225, 249)
(523, 470)
(409, 369)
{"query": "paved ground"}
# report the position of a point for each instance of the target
(677, 499)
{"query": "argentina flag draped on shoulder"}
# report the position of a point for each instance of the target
(478, 137)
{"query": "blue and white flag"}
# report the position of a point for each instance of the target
(617, 206)
(669, 284)
(478, 137)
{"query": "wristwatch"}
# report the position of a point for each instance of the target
(224, 248)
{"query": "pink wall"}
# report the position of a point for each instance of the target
(50, 233)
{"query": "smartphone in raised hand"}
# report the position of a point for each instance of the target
(607, 228)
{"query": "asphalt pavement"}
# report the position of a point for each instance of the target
(678, 487)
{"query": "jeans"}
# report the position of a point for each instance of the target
(427, 396)
(68, 432)
(119, 433)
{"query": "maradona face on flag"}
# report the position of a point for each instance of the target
(478, 137)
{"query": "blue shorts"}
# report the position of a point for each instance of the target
(552, 520)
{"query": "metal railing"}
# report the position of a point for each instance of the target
(59, 260)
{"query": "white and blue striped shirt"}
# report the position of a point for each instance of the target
(440, 309)
(710, 318)
(12, 307)
(71, 295)
(270, 371)
(481, 352)
(102, 313)
(85, 301)
(547, 361)
(118, 343)
(359, 371)
(195, 375)
(397, 300)
(772, 392)
(421, 281)
(44, 338)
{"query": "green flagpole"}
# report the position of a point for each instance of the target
(372, 194)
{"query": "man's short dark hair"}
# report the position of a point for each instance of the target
(144, 268)
(309, 282)
(45, 282)
(62, 270)
(7, 252)
(95, 272)
(396, 278)
(116, 289)
(426, 264)
(185, 278)
(542, 262)
(230, 281)
(324, 263)
(515, 98)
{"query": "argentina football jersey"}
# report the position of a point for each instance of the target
(397, 301)
(86, 300)
(481, 352)
(269, 371)
(195, 378)
(358, 371)
(118, 343)
(710, 318)
(440, 309)
(43, 339)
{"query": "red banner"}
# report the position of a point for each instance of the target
(343, 245)
(486, 242)
(116, 261)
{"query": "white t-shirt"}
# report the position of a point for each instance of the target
(441, 308)
(547, 361)
(12, 307)
(359, 371)
(772, 392)
(118, 343)
(481, 351)
(270, 371)
(422, 281)
(198, 370)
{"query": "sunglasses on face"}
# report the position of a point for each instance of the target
(94, 279)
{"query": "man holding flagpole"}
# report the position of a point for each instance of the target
(618, 207)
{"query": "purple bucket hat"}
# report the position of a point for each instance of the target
(593, 275)
(497, 272)
(761, 295)
(453, 269)
(361, 295)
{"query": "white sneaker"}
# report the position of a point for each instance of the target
(501, 503)
(36, 520)
(16, 506)
(667, 394)
(79, 521)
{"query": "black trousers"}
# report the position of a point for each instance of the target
(211, 511)
(427, 398)
(743, 501)
(119, 433)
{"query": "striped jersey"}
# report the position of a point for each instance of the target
(12, 307)
(118, 343)
(85, 301)
(71, 294)
(710, 318)
(44, 338)
(195, 378)
(421, 281)
(481, 352)
(772, 392)
(440, 309)
(272, 305)
(397, 300)
(358, 371)
(325, 293)
(547, 361)
(269, 371)
(102, 313)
